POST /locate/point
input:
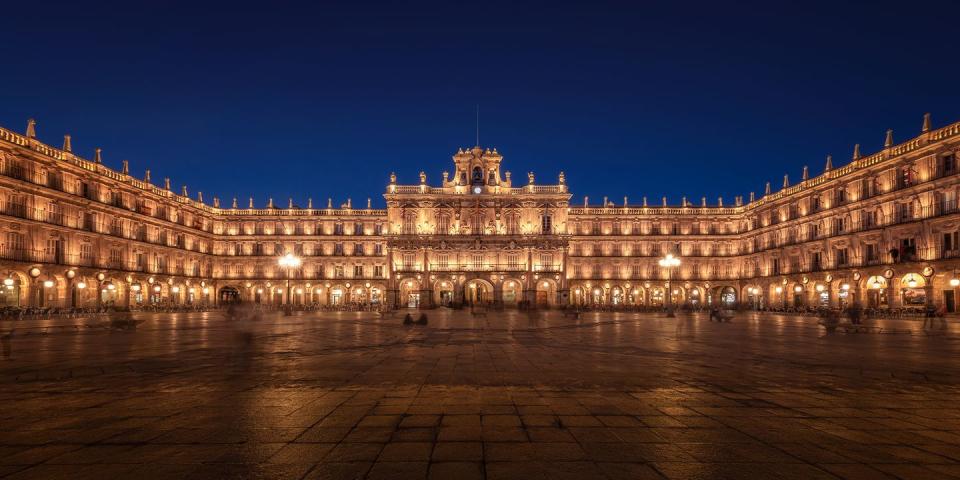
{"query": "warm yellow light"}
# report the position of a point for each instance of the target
(798, 289)
(8, 281)
(955, 282)
(175, 289)
(47, 283)
(779, 289)
(820, 288)
(81, 285)
(289, 261)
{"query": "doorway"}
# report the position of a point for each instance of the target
(949, 301)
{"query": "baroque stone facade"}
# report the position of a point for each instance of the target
(882, 229)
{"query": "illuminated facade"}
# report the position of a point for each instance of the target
(882, 229)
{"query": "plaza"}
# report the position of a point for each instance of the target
(509, 394)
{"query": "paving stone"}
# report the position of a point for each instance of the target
(349, 395)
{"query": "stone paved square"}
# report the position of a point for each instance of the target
(342, 395)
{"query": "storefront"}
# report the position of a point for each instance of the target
(912, 291)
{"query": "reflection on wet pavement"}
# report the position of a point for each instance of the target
(606, 395)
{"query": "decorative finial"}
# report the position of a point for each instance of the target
(563, 178)
(270, 202)
(234, 204)
(423, 177)
(605, 202)
(644, 201)
(446, 175)
(683, 201)
(786, 181)
(183, 191)
(216, 202)
(926, 123)
(720, 201)
(829, 165)
(31, 128)
(625, 201)
(752, 197)
(664, 201)
(530, 178)
(586, 200)
(393, 177)
(766, 191)
(856, 151)
(888, 142)
(310, 203)
(290, 203)
(703, 201)
(67, 147)
(146, 176)
(369, 203)
(166, 183)
(200, 196)
(251, 203)
(126, 167)
(329, 202)
(806, 173)
(98, 155)
(349, 203)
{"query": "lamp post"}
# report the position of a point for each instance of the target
(290, 262)
(670, 262)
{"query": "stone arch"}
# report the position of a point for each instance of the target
(478, 291)
(511, 291)
(546, 292)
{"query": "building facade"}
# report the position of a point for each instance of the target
(882, 230)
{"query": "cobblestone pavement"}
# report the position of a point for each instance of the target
(351, 395)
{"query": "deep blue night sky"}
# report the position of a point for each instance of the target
(628, 98)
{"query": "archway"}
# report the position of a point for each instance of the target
(616, 296)
(822, 290)
(695, 297)
(512, 291)
(912, 291)
(728, 296)
(876, 291)
(11, 290)
(228, 295)
(478, 292)
(409, 293)
(546, 292)
(656, 297)
(444, 291)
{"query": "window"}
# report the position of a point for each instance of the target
(338, 271)
(409, 225)
(408, 261)
(513, 261)
(378, 249)
(546, 262)
(338, 229)
(513, 223)
(546, 225)
(358, 271)
(86, 251)
(842, 257)
(358, 249)
(358, 228)
(815, 203)
(338, 248)
(378, 271)
(443, 261)
(477, 261)
(443, 224)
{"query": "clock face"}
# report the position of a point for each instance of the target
(927, 271)
(477, 189)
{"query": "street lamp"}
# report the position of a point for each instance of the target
(669, 262)
(290, 262)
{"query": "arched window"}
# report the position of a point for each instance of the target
(477, 175)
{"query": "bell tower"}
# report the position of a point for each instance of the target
(476, 167)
